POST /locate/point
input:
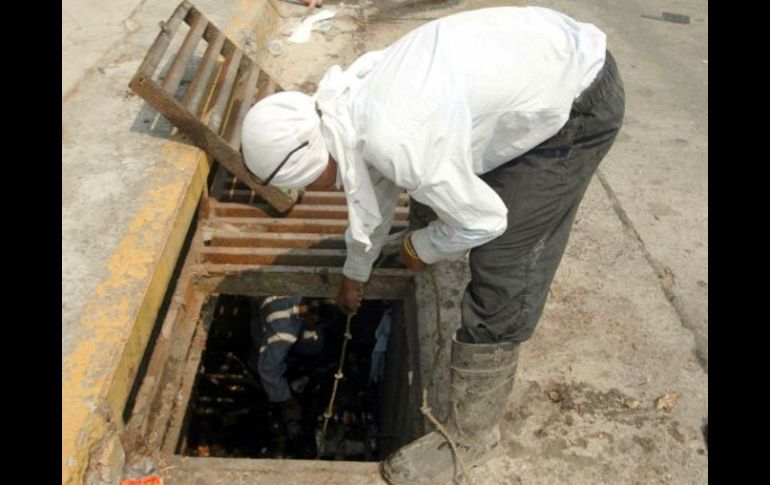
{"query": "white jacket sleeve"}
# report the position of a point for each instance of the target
(358, 264)
(470, 213)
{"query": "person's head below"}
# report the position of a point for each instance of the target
(283, 145)
(309, 311)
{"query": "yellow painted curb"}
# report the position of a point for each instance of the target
(99, 372)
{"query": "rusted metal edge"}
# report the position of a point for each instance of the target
(224, 90)
(274, 256)
(298, 211)
(185, 469)
(176, 71)
(167, 30)
(250, 280)
(208, 140)
(416, 418)
(201, 83)
(319, 226)
(147, 425)
(275, 240)
(178, 414)
(242, 101)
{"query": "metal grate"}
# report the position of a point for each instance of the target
(225, 85)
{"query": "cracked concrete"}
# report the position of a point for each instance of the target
(664, 273)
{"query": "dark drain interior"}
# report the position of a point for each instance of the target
(229, 414)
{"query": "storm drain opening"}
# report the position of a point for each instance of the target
(230, 415)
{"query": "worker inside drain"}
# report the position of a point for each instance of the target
(288, 362)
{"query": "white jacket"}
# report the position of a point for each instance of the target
(454, 99)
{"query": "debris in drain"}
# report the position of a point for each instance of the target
(230, 413)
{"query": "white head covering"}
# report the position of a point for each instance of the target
(273, 128)
(282, 122)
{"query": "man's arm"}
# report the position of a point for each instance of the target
(439, 153)
(358, 264)
(469, 213)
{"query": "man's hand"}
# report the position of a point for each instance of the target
(409, 256)
(350, 295)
